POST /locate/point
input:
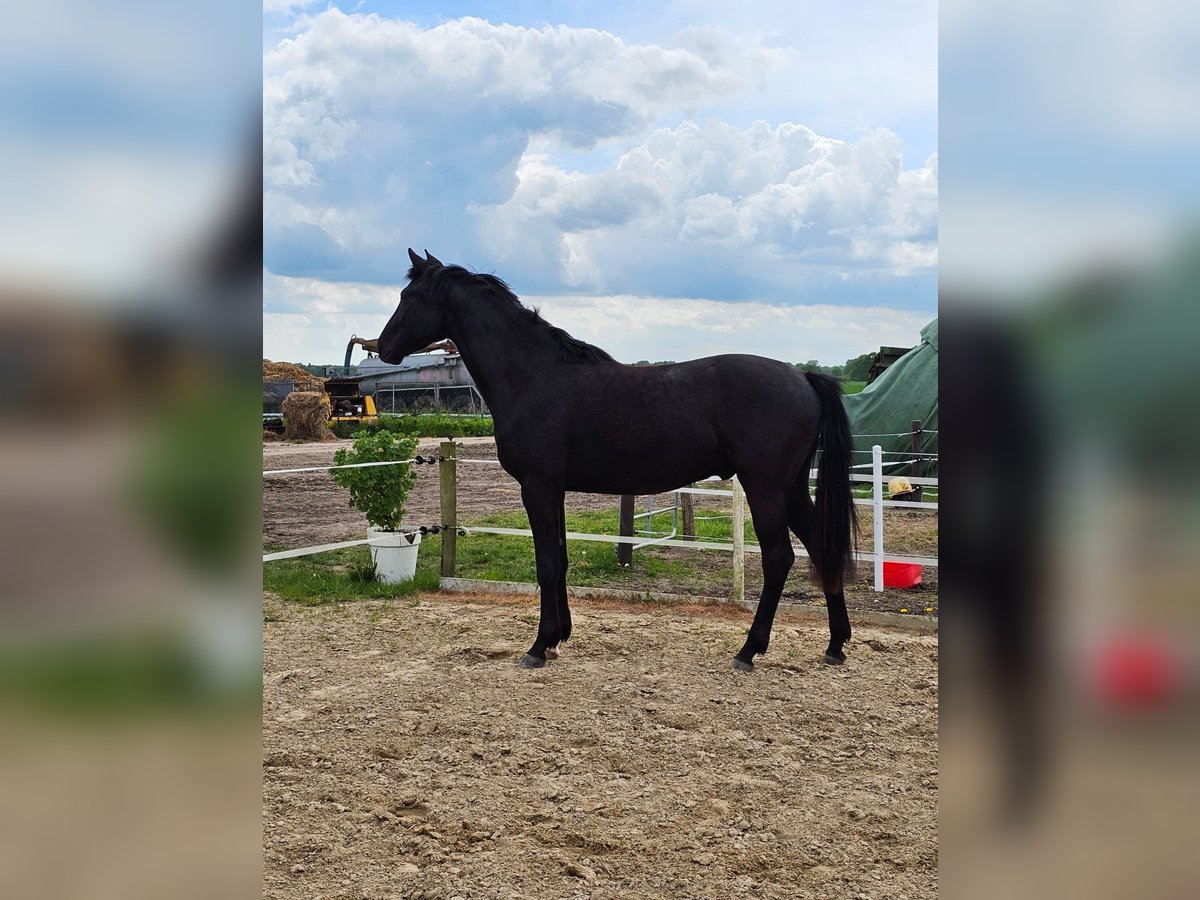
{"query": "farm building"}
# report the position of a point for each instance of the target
(423, 381)
(883, 361)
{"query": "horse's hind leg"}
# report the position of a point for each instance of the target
(769, 510)
(545, 508)
(801, 519)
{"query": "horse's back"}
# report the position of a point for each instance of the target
(642, 429)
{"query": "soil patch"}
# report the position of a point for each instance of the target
(406, 755)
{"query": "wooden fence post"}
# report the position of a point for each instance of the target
(738, 594)
(917, 467)
(625, 551)
(448, 484)
(687, 517)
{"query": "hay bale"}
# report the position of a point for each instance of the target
(305, 414)
(301, 379)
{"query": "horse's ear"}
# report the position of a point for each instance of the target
(418, 264)
(433, 260)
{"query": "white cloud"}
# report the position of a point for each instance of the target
(567, 159)
(321, 316)
(633, 328)
(282, 294)
(286, 6)
(380, 134)
(755, 196)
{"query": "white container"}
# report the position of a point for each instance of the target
(394, 553)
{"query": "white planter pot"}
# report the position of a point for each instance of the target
(394, 553)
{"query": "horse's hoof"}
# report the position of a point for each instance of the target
(740, 665)
(832, 660)
(529, 661)
(551, 653)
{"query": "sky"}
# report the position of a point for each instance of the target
(667, 181)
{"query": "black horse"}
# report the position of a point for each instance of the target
(569, 417)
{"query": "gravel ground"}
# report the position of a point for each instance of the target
(406, 755)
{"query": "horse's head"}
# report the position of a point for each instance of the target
(419, 320)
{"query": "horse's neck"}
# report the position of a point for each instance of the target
(502, 348)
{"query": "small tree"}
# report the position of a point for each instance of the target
(378, 492)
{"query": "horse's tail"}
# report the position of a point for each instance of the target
(835, 531)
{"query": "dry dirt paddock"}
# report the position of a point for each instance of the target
(406, 755)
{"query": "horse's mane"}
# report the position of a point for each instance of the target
(573, 349)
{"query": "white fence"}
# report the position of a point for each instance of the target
(877, 556)
(877, 502)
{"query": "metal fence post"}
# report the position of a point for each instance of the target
(739, 542)
(448, 484)
(877, 510)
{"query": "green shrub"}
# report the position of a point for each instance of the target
(378, 492)
(430, 425)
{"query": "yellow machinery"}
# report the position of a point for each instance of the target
(347, 403)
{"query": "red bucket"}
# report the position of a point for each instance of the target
(901, 575)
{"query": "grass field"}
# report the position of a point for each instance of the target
(344, 574)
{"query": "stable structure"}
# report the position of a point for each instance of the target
(422, 382)
(883, 360)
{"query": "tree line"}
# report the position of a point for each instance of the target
(855, 369)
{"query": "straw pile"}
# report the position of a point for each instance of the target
(283, 371)
(270, 436)
(304, 416)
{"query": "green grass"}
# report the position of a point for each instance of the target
(508, 558)
(853, 387)
(341, 574)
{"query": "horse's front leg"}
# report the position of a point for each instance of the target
(564, 610)
(544, 505)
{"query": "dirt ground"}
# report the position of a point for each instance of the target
(306, 509)
(310, 508)
(406, 755)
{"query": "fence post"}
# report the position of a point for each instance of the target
(739, 542)
(625, 551)
(877, 509)
(917, 468)
(687, 513)
(448, 483)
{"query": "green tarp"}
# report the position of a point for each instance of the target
(884, 411)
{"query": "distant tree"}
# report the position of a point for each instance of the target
(856, 369)
(851, 370)
(813, 366)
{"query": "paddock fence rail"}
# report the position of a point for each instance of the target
(448, 461)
